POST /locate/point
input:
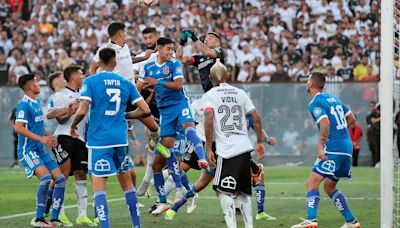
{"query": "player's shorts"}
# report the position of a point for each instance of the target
(336, 167)
(104, 162)
(73, 149)
(32, 160)
(173, 116)
(233, 174)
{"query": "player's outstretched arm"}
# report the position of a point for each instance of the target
(93, 67)
(209, 132)
(56, 113)
(207, 52)
(142, 58)
(350, 119)
(142, 111)
(260, 150)
(324, 130)
(80, 113)
(48, 140)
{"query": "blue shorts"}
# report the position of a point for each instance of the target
(131, 164)
(336, 167)
(104, 162)
(173, 116)
(31, 160)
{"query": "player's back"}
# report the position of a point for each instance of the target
(230, 105)
(109, 94)
(326, 105)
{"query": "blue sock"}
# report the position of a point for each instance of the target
(191, 135)
(49, 199)
(132, 204)
(312, 204)
(173, 166)
(194, 190)
(185, 181)
(58, 196)
(159, 185)
(341, 204)
(100, 202)
(41, 195)
(260, 197)
(179, 204)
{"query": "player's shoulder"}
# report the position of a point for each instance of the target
(175, 62)
(150, 64)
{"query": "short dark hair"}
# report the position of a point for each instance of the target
(115, 27)
(106, 55)
(318, 80)
(164, 41)
(70, 70)
(52, 77)
(148, 30)
(24, 79)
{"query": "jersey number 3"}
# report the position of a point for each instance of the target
(237, 112)
(115, 95)
(338, 113)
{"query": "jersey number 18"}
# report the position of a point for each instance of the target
(338, 113)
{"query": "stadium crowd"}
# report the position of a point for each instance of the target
(265, 41)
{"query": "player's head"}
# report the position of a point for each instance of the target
(117, 32)
(218, 73)
(316, 81)
(28, 83)
(212, 40)
(165, 47)
(150, 37)
(108, 58)
(56, 81)
(73, 74)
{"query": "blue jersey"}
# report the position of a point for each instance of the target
(167, 72)
(328, 106)
(30, 113)
(109, 94)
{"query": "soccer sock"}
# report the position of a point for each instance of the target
(169, 186)
(173, 166)
(41, 195)
(245, 207)
(179, 204)
(185, 182)
(100, 201)
(260, 197)
(81, 194)
(149, 170)
(341, 204)
(192, 136)
(312, 204)
(194, 189)
(58, 196)
(132, 202)
(49, 198)
(159, 185)
(228, 207)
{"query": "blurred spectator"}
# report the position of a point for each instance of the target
(4, 68)
(360, 71)
(397, 122)
(371, 77)
(244, 73)
(355, 131)
(265, 70)
(280, 75)
(290, 137)
(11, 120)
(373, 132)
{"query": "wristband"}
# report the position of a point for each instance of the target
(266, 139)
(162, 83)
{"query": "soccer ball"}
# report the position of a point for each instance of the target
(147, 3)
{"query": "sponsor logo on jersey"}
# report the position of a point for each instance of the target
(21, 114)
(39, 118)
(166, 70)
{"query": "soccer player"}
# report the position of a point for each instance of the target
(334, 152)
(225, 108)
(165, 75)
(71, 153)
(29, 125)
(108, 94)
(210, 49)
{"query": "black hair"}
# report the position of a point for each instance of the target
(24, 79)
(106, 55)
(70, 70)
(52, 77)
(318, 80)
(164, 41)
(148, 30)
(114, 28)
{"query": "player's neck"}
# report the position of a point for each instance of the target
(73, 87)
(313, 93)
(31, 95)
(118, 42)
(160, 60)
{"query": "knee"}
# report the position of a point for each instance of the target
(156, 166)
(80, 175)
(329, 190)
(60, 181)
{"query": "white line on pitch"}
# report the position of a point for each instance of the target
(201, 197)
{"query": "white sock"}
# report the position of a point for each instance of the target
(244, 203)
(169, 186)
(82, 196)
(228, 207)
(149, 170)
(165, 173)
(62, 212)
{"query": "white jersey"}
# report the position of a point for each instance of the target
(230, 106)
(198, 113)
(139, 66)
(63, 99)
(124, 59)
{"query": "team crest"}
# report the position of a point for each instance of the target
(317, 111)
(166, 70)
(36, 161)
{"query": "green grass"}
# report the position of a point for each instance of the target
(285, 200)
